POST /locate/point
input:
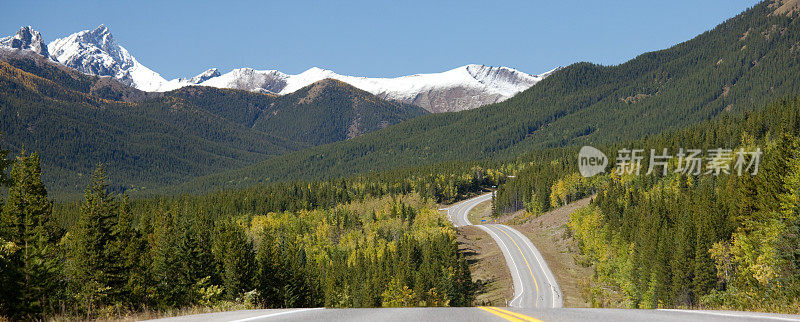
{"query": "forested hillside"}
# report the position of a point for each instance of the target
(147, 140)
(377, 240)
(740, 65)
(725, 241)
(361, 242)
(324, 112)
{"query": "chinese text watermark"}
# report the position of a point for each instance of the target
(592, 161)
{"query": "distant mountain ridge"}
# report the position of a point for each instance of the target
(458, 89)
(148, 139)
(96, 52)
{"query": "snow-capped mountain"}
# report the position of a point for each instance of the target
(96, 52)
(26, 39)
(457, 89)
(265, 81)
(181, 82)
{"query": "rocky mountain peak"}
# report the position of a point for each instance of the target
(28, 39)
(96, 52)
(204, 76)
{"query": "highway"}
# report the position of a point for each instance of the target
(537, 296)
(468, 314)
(534, 283)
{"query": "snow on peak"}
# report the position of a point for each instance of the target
(264, 81)
(506, 81)
(308, 77)
(204, 76)
(26, 39)
(461, 88)
(96, 52)
(181, 82)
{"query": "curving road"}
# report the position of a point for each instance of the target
(537, 296)
(534, 283)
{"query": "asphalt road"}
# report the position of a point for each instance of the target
(534, 283)
(537, 296)
(467, 314)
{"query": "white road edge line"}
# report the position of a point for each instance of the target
(463, 218)
(507, 229)
(516, 268)
(536, 255)
(746, 316)
(469, 205)
(277, 314)
(465, 210)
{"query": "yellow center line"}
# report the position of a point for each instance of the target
(526, 263)
(508, 315)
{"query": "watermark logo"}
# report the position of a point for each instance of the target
(591, 161)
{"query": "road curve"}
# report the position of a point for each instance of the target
(535, 286)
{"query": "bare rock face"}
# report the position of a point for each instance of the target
(209, 74)
(463, 88)
(785, 7)
(454, 99)
(26, 39)
(264, 81)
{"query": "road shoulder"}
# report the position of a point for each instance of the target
(551, 236)
(488, 266)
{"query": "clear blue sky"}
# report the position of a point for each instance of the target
(376, 38)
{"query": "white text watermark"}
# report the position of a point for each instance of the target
(592, 161)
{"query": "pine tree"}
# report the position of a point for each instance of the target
(234, 251)
(91, 257)
(183, 265)
(4, 164)
(268, 272)
(27, 219)
(131, 268)
(8, 248)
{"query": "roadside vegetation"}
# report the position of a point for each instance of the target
(684, 241)
(361, 242)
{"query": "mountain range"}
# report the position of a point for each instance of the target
(96, 52)
(149, 139)
(737, 67)
(461, 88)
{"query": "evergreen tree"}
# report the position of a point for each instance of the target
(234, 251)
(131, 269)
(33, 273)
(7, 248)
(4, 164)
(91, 266)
